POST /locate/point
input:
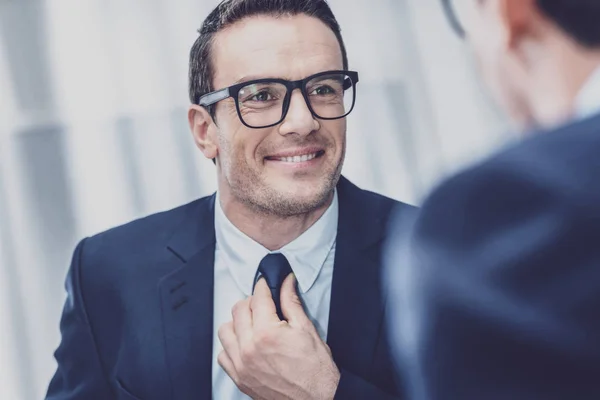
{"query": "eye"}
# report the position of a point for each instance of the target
(261, 96)
(322, 90)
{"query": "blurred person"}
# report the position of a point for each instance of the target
(497, 288)
(149, 303)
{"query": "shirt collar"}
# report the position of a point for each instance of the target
(587, 102)
(306, 254)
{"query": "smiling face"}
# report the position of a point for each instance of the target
(291, 168)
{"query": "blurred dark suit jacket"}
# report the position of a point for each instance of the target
(499, 296)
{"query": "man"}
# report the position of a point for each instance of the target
(499, 298)
(150, 304)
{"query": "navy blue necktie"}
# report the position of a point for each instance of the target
(275, 268)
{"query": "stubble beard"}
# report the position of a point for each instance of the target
(248, 188)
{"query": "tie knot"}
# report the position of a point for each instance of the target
(275, 268)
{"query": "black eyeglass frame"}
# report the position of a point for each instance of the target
(453, 18)
(212, 98)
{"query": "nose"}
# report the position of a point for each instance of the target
(299, 120)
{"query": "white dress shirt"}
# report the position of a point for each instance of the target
(237, 257)
(587, 102)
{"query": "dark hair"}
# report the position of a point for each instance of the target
(578, 18)
(229, 12)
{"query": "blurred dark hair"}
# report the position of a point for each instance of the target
(579, 18)
(229, 12)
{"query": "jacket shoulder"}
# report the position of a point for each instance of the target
(370, 201)
(151, 228)
(369, 212)
(139, 242)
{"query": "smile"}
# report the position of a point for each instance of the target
(305, 157)
(297, 158)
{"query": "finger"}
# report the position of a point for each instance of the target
(230, 344)
(242, 321)
(291, 305)
(227, 364)
(262, 305)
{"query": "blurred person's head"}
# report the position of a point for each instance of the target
(535, 55)
(278, 150)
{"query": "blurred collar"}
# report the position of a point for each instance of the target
(587, 102)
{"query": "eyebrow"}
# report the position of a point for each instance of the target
(248, 78)
(255, 77)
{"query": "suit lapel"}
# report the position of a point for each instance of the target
(187, 305)
(356, 300)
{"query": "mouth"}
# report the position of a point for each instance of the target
(297, 158)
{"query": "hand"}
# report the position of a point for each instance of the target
(272, 359)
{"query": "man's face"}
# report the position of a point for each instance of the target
(489, 35)
(293, 167)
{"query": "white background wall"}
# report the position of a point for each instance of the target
(93, 133)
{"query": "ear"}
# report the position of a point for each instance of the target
(203, 130)
(518, 17)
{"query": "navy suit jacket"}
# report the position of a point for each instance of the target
(500, 294)
(138, 321)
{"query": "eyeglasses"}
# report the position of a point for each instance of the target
(454, 17)
(263, 103)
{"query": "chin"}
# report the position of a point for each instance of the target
(308, 192)
(299, 197)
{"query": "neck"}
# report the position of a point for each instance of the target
(270, 230)
(558, 80)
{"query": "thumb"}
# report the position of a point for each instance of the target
(261, 304)
(291, 305)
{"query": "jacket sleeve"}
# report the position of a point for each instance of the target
(79, 374)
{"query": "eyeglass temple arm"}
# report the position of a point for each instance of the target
(214, 97)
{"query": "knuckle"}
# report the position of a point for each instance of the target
(247, 354)
(224, 329)
(264, 338)
(238, 307)
(253, 301)
(221, 358)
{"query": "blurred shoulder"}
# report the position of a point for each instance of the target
(553, 172)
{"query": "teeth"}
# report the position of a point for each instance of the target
(297, 159)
